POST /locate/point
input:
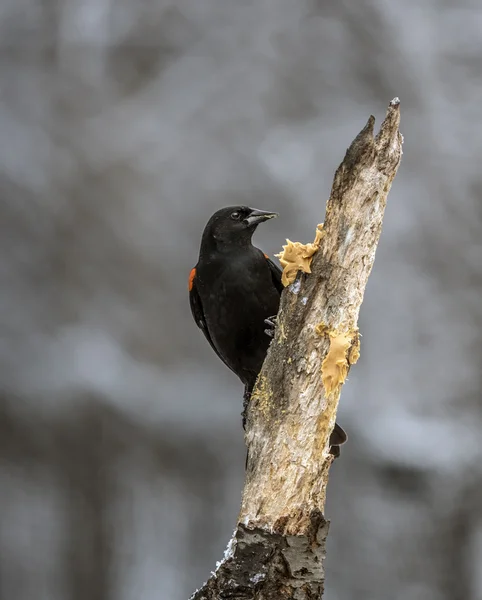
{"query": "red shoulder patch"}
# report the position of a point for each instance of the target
(266, 256)
(192, 275)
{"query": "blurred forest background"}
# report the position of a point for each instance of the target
(124, 125)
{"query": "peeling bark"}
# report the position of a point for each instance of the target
(278, 547)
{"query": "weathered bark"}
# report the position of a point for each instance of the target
(278, 548)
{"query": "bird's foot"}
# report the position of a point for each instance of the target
(271, 322)
(246, 399)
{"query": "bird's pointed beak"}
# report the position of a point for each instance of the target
(258, 216)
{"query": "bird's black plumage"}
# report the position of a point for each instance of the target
(232, 290)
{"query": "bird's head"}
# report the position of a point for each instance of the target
(235, 225)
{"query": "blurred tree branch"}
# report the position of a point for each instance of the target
(278, 547)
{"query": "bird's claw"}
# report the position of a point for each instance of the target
(271, 322)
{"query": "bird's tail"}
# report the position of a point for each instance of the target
(337, 438)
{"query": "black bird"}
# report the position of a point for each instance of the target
(233, 289)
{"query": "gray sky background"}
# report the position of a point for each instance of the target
(124, 126)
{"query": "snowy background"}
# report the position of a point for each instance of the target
(124, 124)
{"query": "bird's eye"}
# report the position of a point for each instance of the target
(235, 215)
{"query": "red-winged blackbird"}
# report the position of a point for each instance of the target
(233, 289)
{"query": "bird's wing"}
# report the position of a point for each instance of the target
(275, 274)
(198, 313)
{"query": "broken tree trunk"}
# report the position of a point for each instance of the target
(278, 547)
